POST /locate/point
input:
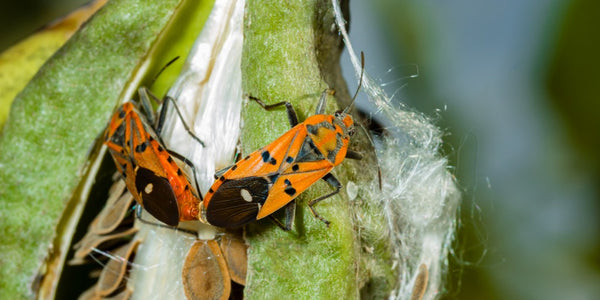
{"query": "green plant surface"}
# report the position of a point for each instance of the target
(284, 48)
(56, 118)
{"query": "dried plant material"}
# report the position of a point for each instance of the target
(205, 274)
(114, 271)
(235, 252)
(91, 294)
(420, 285)
(93, 241)
(115, 210)
(123, 295)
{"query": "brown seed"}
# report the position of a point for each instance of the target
(205, 274)
(92, 241)
(420, 283)
(235, 252)
(113, 273)
(113, 214)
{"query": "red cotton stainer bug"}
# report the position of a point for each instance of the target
(272, 177)
(150, 172)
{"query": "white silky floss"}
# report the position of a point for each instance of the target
(419, 196)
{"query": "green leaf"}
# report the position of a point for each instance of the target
(56, 118)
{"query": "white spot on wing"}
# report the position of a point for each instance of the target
(148, 189)
(246, 195)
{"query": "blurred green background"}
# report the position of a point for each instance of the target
(19, 19)
(513, 84)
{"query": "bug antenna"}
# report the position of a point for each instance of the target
(375, 149)
(162, 69)
(362, 72)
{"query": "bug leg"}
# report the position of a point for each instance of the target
(323, 101)
(331, 180)
(354, 155)
(162, 115)
(238, 155)
(290, 214)
(145, 96)
(138, 215)
(292, 116)
(278, 223)
(191, 165)
(220, 173)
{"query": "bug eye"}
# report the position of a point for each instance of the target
(351, 131)
(337, 114)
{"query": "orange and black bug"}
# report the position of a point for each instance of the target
(148, 168)
(272, 177)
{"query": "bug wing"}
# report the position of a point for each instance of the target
(140, 147)
(125, 168)
(291, 184)
(157, 196)
(254, 175)
(162, 201)
(273, 158)
(231, 208)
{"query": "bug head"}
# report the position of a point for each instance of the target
(345, 121)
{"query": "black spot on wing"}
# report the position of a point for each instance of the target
(295, 168)
(157, 196)
(141, 147)
(121, 113)
(266, 156)
(290, 191)
(289, 159)
(227, 208)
